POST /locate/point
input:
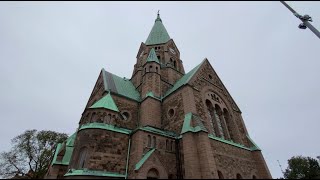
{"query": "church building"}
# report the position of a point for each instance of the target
(162, 123)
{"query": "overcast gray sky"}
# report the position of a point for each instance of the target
(51, 54)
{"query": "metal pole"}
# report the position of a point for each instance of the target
(304, 20)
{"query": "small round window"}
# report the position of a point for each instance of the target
(171, 113)
(126, 115)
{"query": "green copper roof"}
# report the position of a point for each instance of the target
(183, 80)
(152, 57)
(144, 159)
(255, 146)
(106, 102)
(68, 145)
(105, 127)
(229, 142)
(158, 34)
(85, 172)
(121, 86)
(187, 127)
(159, 131)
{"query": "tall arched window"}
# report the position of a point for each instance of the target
(172, 145)
(220, 175)
(82, 157)
(213, 123)
(217, 112)
(167, 145)
(174, 64)
(157, 69)
(150, 68)
(149, 141)
(154, 144)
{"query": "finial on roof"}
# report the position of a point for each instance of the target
(158, 16)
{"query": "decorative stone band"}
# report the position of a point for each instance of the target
(86, 172)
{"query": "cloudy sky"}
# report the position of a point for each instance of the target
(51, 54)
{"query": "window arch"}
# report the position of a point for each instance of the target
(82, 157)
(175, 64)
(220, 175)
(239, 176)
(149, 141)
(157, 70)
(150, 68)
(153, 174)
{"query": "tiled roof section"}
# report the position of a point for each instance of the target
(106, 102)
(121, 86)
(152, 57)
(158, 34)
(195, 126)
(86, 172)
(183, 80)
(105, 127)
(68, 145)
(144, 159)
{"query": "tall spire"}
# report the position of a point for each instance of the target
(158, 34)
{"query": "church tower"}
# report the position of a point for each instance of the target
(160, 123)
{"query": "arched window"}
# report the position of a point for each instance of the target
(217, 113)
(239, 176)
(82, 157)
(150, 68)
(149, 141)
(104, 117)
(213, 122)
(157, 69)
(172, 145)
(174, 64)
(93, 117)
(154, 144)
(153, 174)
(220, 175)
(145, 70)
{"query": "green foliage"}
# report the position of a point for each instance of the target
(31, 154)
(300, 167)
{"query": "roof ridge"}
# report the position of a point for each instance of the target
(184, 79)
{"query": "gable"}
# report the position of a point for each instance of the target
(206, 76)
(97, 91)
